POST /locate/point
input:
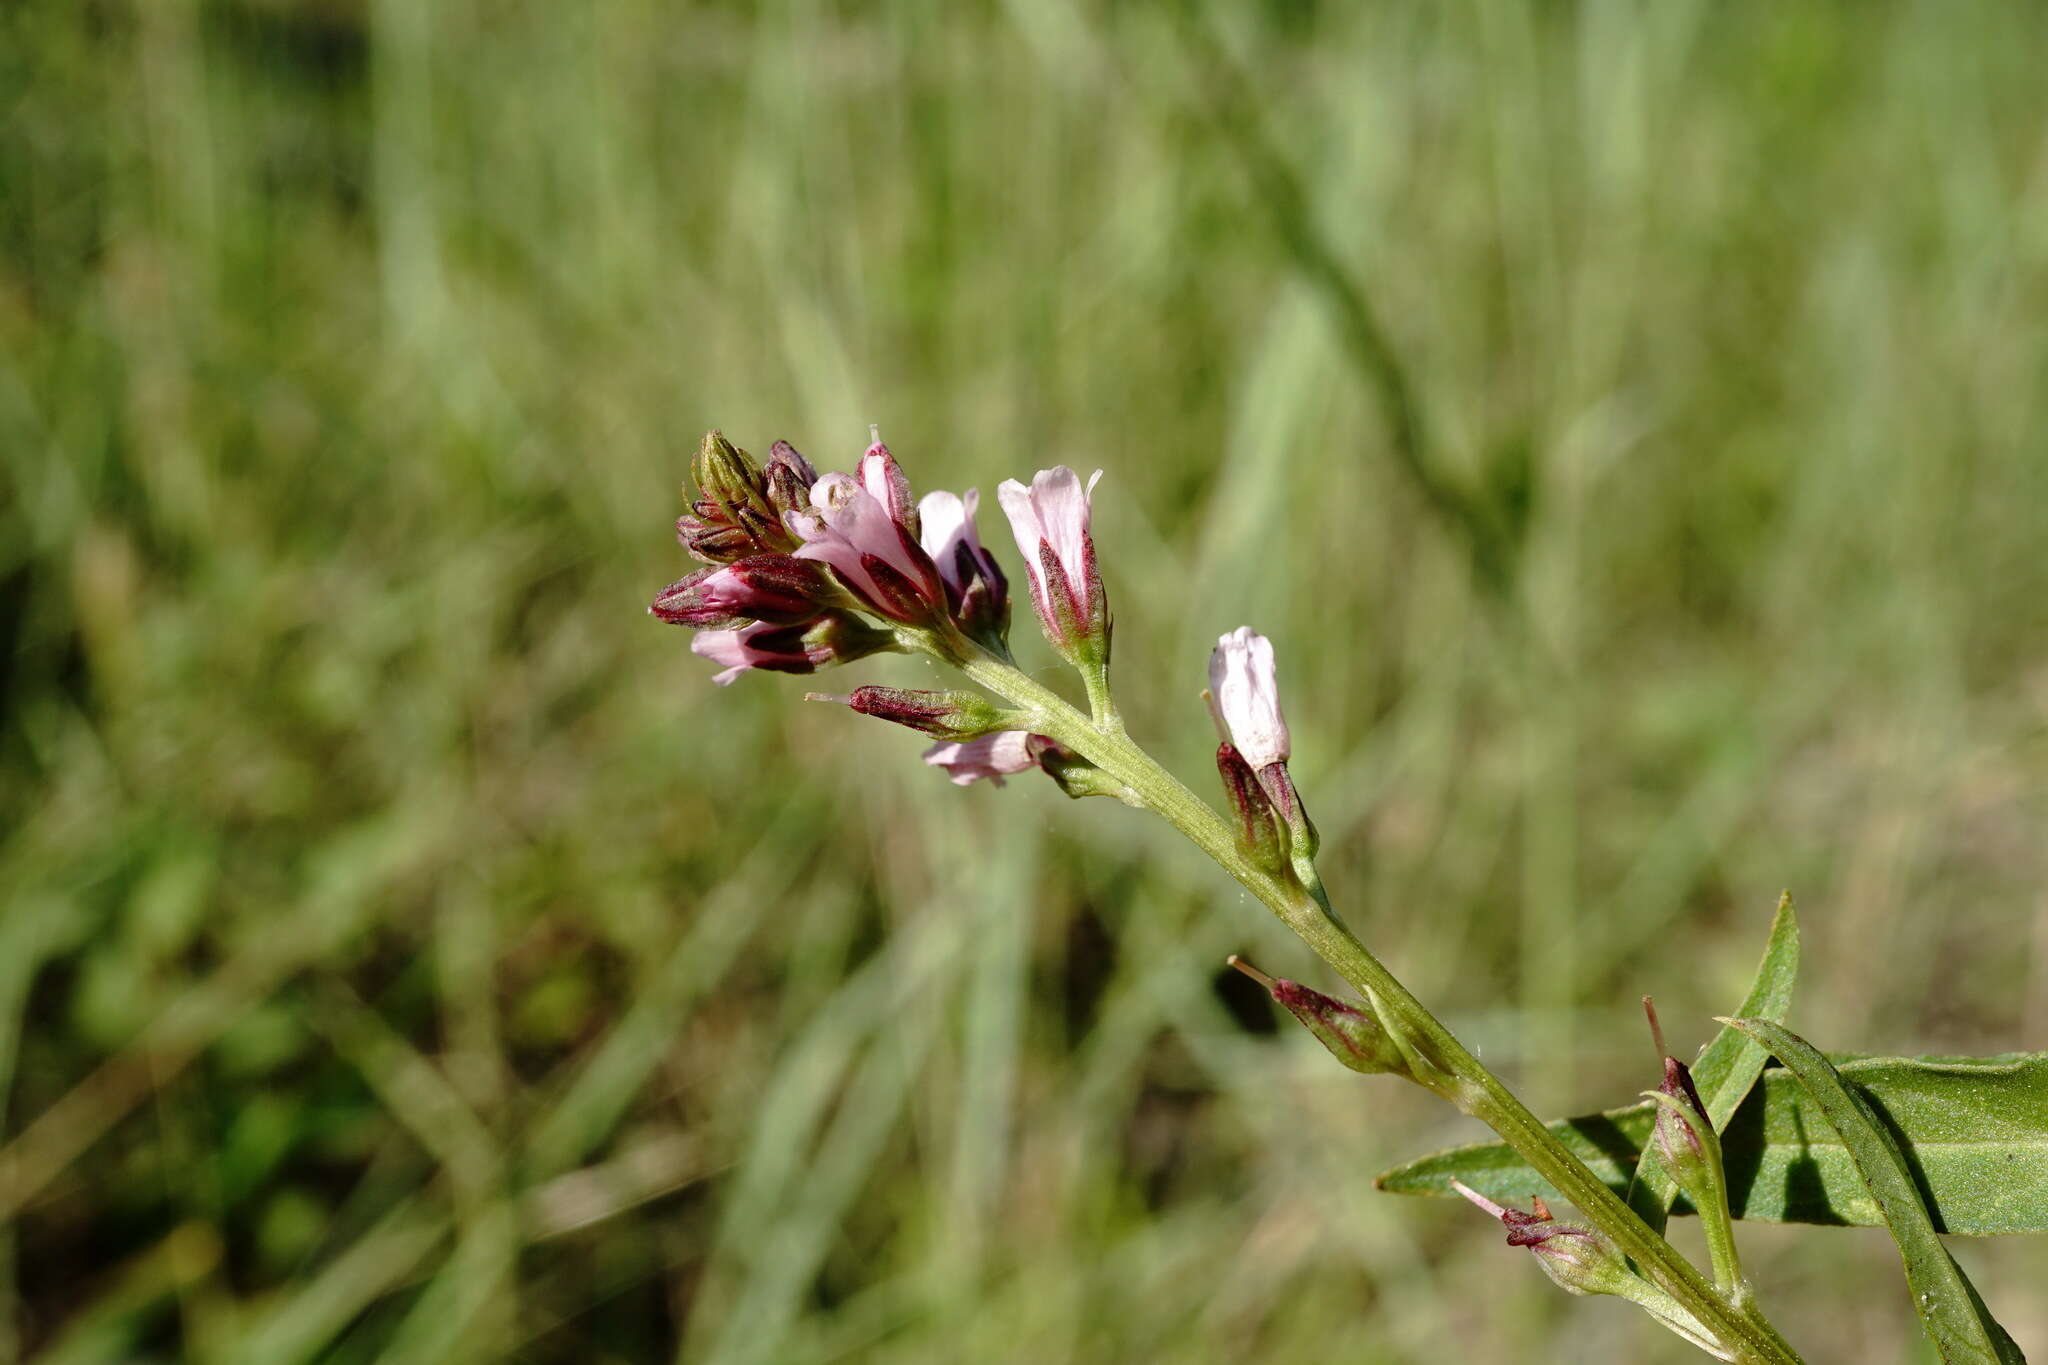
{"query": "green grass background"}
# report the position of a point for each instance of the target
(408, 956)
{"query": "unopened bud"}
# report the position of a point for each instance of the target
(787, 477)
(732, 517)
(946, 715)
(1246, 697)
(1685, 1139)
(779, 589)
(725, 473)
(1351, 1035)
(1678, 1124)
(1244, 701)
(886, 483)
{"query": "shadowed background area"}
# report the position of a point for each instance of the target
(409, 956)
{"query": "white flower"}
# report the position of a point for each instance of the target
(1246, 697)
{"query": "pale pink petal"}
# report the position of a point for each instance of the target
(1052, 511)
(990, 756)
(948, 520)
(883, 478)
(1062, 506)
(844, 524)
(1242, 678)
(1016, 503)
(727, 647)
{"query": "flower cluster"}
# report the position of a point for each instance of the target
(792, 550)
(808, 570)
(804, 570)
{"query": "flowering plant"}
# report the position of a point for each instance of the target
(805, 571)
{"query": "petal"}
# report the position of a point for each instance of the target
(885, 481)
(1062, 505)
(991, 756)
(1242, 676)
(844, 524)
(727, 647)
(1019, 507)
(761, 644)
(948, 520)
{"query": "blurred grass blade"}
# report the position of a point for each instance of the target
(306, 1322)
(1728, 1068)
(1955, 1319)
(1975, 1129)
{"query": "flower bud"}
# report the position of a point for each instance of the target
(1677, 1133)
(779, 589)
(1351, 1035)
(943, 715)
(1243, 680)
(1244, 701)
(726, 474)
(887, 484)
(787, 477)
(1684, 1137)
(732, 517)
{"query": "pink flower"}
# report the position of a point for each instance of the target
(777, 588)
(778, 649)
(1050, 521)
(833, 637)
(975, 587)
(1246, 698)
(873, 553)
(991, 756)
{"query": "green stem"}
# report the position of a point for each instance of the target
(1444, 1063)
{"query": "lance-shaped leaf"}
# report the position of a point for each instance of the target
(1974, 1131)
(1955, 1319)
(1729, 1067)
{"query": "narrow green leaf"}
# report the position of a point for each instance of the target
(1728, 1068)
(1974, 1131)
(1955, 1319)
